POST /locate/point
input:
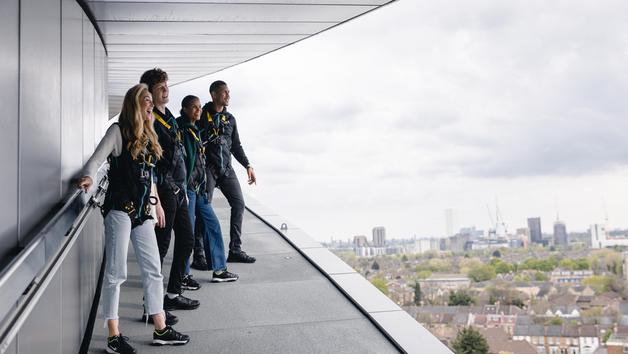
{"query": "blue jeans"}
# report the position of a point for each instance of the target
(118, 232)
(212, 238)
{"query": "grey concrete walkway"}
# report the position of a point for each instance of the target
(281, 304)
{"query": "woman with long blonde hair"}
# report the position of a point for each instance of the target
(131, 147)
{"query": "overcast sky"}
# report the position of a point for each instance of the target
(422, 106)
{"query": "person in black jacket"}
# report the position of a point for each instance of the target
(220, 134)
(171, 187)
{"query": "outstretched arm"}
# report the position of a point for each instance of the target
(111, 143)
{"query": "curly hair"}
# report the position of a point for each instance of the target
(152, 77)
(137, 131)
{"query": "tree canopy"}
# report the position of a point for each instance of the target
(469, 341)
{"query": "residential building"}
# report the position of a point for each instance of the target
(600, 238)
(360, 241)
(497, 316)
(499, 342)
(560, 339)
(563, 276)
(379, 236)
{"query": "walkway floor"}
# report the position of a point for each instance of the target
(280, 304)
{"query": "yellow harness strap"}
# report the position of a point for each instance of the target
(161, 120)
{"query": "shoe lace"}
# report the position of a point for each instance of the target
(122, 341)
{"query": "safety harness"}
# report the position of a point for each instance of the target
(130, 184)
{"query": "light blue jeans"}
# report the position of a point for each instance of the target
(117, 234)
(212, 238)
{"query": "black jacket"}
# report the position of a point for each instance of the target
(219, 132)
(171, 167)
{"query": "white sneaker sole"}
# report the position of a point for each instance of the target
(169, 342)
(192, 288)
(219, 280)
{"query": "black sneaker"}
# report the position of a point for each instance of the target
(119, 344)
(240, 257)
(199, 264)
(180, 303)
(171, 319)
(225, 276)
(168, 336)
(188, 283)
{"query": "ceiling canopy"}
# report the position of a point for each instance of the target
(190, 39)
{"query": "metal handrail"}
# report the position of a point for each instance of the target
(18, 316)
(16, 262)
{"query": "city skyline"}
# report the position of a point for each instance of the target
(455, 105)
(556, 224)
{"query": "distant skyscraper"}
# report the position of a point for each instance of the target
(625, 255)
(360, 241)
(524, 235)
(560, 234)
(451, 222)
(598, 236)
(534, 225)
(379, 236)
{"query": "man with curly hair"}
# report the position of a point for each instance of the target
(171, 176)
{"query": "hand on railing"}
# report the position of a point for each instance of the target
(84, 183)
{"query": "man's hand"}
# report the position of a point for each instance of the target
(84, 183)
(251, 173)
(161, 216)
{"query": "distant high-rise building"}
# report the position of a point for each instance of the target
(560, 234)
(625, 256)
(451, 222)
(523, 234)
(360, 241)
(536, 235)
(598, 236)
(379, 236)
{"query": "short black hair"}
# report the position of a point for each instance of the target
(152, 77)
(216, 85)
(187, 101)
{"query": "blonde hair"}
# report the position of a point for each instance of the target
(138, 132)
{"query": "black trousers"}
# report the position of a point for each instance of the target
(230, 188)
(177, 219)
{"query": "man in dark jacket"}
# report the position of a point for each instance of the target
(171, 188)
(220, 133)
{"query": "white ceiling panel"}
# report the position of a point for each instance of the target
(194, 38)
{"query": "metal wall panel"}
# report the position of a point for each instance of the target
(72, 160)
(12, 349)
(72, 91)
(70, 296)
(40, 108)
(9, 57)
(88, 89)
(100, 91)
(41, 333)
(90, 247)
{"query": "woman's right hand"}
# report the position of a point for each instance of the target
(161, 216)
(84, 183)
